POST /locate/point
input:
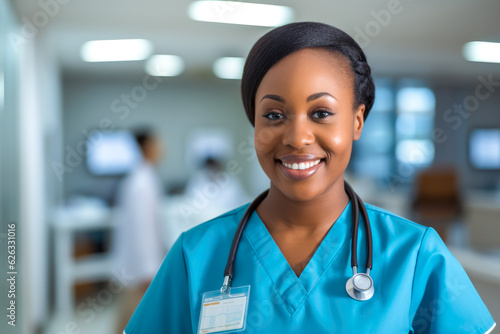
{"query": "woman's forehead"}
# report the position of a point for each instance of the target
(308, 70)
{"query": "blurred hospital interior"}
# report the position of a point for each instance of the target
(80, 80)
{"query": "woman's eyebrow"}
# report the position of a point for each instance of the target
(318, 95)
(273, 97)
(309, 98)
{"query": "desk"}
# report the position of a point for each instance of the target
(484, 272)
(69, 270)
(87, 217)
(482, 215)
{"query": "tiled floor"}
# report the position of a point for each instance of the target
(89, 321)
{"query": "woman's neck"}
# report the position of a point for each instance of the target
(278, 212)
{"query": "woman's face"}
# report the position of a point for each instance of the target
(305, 122)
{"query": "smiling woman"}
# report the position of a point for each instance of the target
(307, 90)
(301, 124)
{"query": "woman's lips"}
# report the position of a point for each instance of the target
(300, 170)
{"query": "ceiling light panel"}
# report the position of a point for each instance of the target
(116, 50)
(487, 52)
(229, 67)
(236, 12)
(164, 66)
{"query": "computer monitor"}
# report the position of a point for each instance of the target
(484, 149)
(112, 153)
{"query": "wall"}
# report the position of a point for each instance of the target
(30, 133)
(9, 171)
(459, 109)
(40, 135)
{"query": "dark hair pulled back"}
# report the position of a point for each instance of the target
(284, 40)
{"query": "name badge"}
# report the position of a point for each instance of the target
(223, 312)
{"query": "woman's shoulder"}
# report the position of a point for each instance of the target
(390, 218)
(391, 227)
(394, 231)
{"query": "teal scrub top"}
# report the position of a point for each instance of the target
(419, 286)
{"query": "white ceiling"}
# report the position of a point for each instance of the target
(424, 39)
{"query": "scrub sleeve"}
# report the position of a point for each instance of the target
(165, 306)
(443, 298)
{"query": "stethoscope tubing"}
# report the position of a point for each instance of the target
(357, 293)
(357, 204)
(228, 272)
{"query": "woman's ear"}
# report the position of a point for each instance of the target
(359, 121)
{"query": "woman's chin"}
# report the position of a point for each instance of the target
(300, 193)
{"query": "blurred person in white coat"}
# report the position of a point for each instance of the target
(214, 190)
(138, 248)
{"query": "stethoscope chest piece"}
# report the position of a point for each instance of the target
(360, 287)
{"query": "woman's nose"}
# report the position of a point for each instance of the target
(298, 133)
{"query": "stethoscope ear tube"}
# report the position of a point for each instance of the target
(228, 272)
(357, 203)
(369, 243)
(355, 224)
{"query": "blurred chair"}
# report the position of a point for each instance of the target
(437, 202)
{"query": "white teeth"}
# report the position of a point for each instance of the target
(301, 165)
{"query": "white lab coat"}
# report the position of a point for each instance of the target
(212, 193)
(138, 248)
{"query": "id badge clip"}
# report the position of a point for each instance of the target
(224, 310)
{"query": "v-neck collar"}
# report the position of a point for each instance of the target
(294, 289)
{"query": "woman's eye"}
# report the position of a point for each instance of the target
(274, 115)
(321, 114)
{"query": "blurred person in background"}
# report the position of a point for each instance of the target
(138, 249)
(217, 189)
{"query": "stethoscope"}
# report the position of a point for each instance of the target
(359, 286)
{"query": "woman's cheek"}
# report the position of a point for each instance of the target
(263, 148)
(341, 140)
(341, 147)
(338, 141)
(266, 137)
(260, 144)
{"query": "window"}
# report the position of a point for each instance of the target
(373, 151)
(414, 124)
(484, 149)
(397, 136)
